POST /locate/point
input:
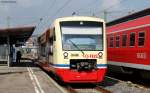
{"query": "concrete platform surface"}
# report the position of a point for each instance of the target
(26, 78)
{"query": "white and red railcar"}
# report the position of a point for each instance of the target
(74, 49)
(128, 41)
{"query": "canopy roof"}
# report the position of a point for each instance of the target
(16, 35)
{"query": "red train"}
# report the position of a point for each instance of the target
(128, 41)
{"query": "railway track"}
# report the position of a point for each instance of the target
(127, 85)
(96, 89)
(136, 81)
(70, 89)
(102, 90)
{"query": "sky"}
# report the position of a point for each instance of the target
(41, 13)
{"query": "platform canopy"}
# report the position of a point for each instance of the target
(16, 35)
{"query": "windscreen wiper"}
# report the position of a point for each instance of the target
(76, 46)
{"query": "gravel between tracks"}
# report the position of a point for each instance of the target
(123, 87)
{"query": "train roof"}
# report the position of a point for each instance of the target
(72, 18)
(130, 17)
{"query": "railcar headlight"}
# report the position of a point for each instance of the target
(100, 54)
(65, 55)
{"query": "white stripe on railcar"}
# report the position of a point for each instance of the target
(125, 64)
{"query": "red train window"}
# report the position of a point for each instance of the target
(141, 38)
(132, 39)
(111, 41)
(117, 40)
(124, 40)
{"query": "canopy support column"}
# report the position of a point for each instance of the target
(8, 51)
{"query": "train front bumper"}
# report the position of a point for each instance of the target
(73, 76)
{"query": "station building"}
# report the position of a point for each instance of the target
(11, 38)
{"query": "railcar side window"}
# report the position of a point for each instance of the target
(43, 50)
(54, 35)
(141, 38)
(117, 40)
(132, 39)
(124, 40)
(111, 41)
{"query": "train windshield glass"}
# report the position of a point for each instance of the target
(82, 35)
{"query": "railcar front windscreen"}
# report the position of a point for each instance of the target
(82, 35)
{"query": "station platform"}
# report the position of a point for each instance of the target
(25, 77)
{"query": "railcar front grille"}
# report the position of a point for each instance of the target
(83, 64)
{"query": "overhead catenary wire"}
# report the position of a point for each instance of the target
(110, 7)
(39, 20)
(45, 14)
(88, 5)
(115, 4)
(62, 7)
(42, 17)
(49, 8)
(104, 10)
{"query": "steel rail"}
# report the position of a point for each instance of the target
(103, 90)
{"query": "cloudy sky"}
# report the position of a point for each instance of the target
(30, 12)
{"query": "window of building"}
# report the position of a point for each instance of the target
(141, 38)
(132, 39)
(111, 41)
(124, 40)
(117, 41)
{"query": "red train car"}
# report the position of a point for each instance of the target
(128, 41)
